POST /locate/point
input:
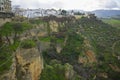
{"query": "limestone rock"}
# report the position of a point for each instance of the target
(29, 64)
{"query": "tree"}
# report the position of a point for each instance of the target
(63, 12)
(13, 29)
(6, 31)
(19, 28)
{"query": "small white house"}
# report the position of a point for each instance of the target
(49, 12)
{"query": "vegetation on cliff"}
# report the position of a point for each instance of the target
(80, 49)
(10, 40)
(99, 37)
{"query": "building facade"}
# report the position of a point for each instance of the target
(5, 6)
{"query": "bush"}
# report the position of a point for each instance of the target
(73, 47)
(28, 44)
(53, 72)
(45, 39)
(59, 40)
(5, 59)
(36, 21)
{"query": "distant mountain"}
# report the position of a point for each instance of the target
(107, 13)
(103, 13)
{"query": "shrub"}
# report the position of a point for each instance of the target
(28, 44)
(45, 39)
(5, 59)
(53, 72)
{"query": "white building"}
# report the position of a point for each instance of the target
(31, 13)
(5, 6)
(54, 12)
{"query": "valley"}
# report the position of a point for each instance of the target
(60, 48)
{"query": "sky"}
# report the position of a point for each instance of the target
(86, 5)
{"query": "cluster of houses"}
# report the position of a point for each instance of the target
(34, 13)
(31, 13)
(7, 10)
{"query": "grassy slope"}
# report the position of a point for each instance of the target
(113, 22)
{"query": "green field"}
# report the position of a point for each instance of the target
(113, 22)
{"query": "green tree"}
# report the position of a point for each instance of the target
(6, 31)
(63, 12)
(53, 72)
(14, 29)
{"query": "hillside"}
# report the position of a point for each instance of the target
(113, 22)
(60, 48)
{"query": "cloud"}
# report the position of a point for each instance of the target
(109, 4)
(67, 4)
(58, 4)
(37, 4)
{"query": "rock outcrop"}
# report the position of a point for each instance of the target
(28, 65)
(88, 52)
(3, 21)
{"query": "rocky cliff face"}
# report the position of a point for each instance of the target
(3, 21)
(88, 52)
(27, 65)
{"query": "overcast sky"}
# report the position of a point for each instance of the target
(86, 5)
